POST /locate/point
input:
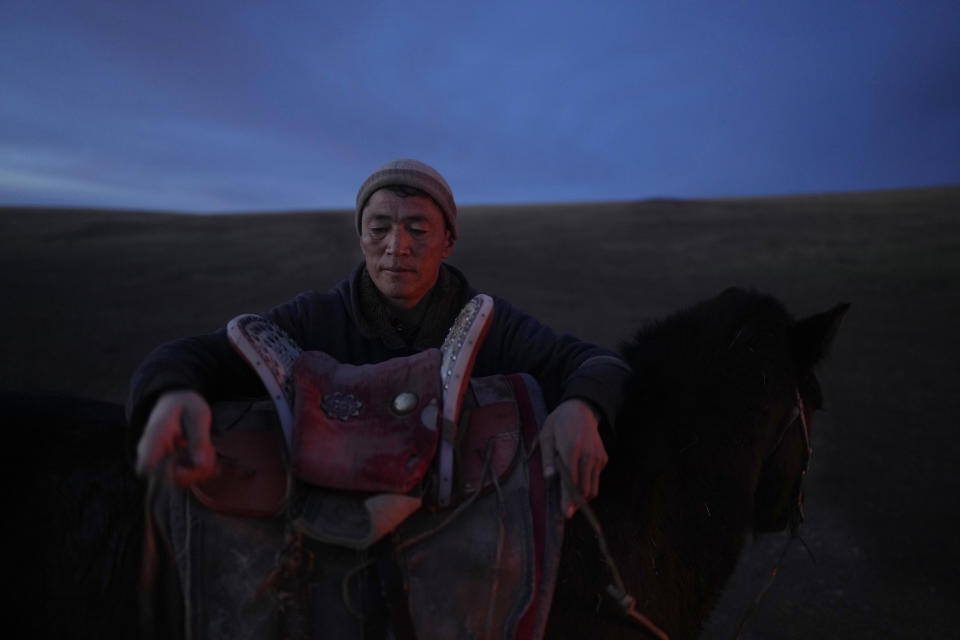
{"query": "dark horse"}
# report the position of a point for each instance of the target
(709, 447)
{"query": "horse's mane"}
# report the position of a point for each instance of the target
(696, 340)
(699, 369)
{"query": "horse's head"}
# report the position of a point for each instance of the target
(778, 501)
(723, 392)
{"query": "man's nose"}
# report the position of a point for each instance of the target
(399, 241)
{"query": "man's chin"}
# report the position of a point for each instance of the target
(394, 291)
(398, 274)
(395, 280)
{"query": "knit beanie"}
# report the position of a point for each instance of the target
(411, 173)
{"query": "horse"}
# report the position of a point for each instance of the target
(711, 444)
(77, 546)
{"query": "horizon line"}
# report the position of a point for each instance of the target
(6, 208)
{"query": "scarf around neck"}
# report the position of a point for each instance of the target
(422, 326)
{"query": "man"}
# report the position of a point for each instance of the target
(401, 300)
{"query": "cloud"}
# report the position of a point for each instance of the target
(38, 188)
(240, 107)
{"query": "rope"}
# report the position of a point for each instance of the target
(756, 601)
(617, 591)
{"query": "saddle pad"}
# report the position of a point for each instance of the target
(370, 428)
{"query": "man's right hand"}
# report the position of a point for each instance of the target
(178, 431)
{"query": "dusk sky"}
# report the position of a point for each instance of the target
(242, 106)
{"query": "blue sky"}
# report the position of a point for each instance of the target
(239, 106)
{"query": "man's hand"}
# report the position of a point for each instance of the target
(178, 429)
(570, 431)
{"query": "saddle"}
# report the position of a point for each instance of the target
(408, 471)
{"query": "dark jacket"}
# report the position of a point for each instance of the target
(351, 323)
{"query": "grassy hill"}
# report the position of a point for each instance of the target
(88, 293)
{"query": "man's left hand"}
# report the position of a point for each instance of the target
(571, 432)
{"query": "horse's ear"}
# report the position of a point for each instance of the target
(812, 336)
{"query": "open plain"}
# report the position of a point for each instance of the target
(88, 293)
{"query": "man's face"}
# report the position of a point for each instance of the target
(403, 239)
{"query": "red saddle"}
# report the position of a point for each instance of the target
(370, 428)
(366, 429)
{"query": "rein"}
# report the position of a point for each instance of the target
(617, 590)
(799, 411)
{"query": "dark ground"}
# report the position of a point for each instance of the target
(88, 294)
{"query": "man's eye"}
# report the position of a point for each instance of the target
(377, 230)
(417, 232)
